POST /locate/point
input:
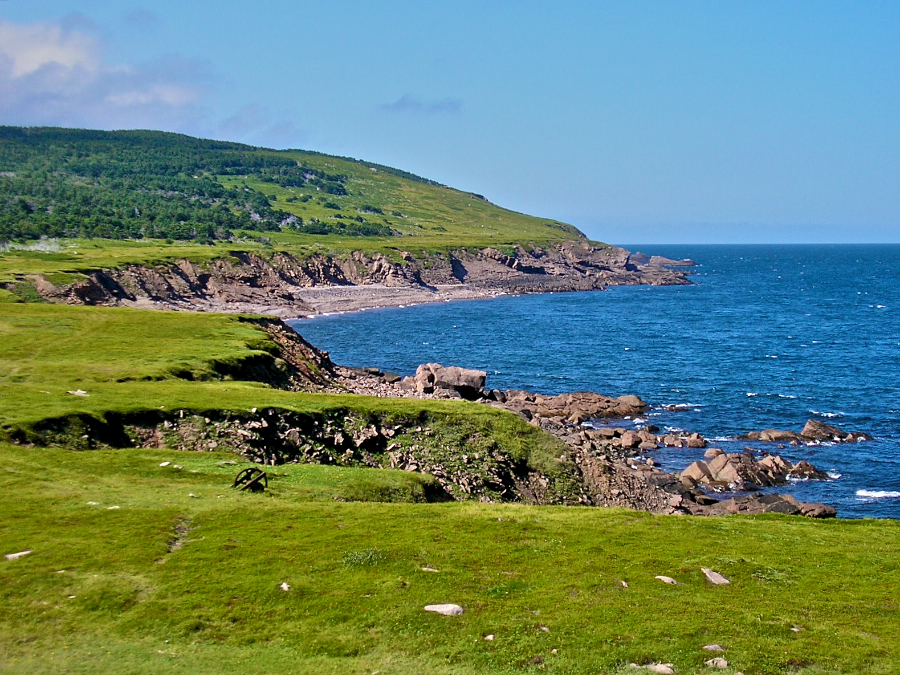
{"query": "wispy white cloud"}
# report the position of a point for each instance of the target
(27, 49)
(55, 74)
(412, 104)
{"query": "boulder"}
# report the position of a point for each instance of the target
(805, 470)
(632, 401)
(817, 510)
(696, 441)
(698, 472)
(467, 383)
(820, 431)
(712, 453)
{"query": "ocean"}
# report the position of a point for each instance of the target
(765, 337)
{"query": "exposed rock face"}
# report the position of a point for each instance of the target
(813, 430)
(740, 471)
(285, 285)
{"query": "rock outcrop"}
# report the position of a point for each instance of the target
(813, 431)
(741, 471)
(285, 285)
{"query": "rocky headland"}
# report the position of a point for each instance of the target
(288, 286)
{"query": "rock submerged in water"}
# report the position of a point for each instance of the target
(813, 430)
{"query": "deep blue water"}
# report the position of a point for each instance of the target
(766, 337)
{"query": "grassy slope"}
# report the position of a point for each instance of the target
(131, 360)
(102, 593)
(434, 219)
(514, 568)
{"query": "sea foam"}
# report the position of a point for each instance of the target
(878, 494)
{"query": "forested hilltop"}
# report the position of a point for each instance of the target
(155, 185)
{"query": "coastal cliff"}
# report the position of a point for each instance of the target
(286, 285)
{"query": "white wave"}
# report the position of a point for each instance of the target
(752, 393)
(878, 494)
(834, 475)
(786, 396)
(825, 414)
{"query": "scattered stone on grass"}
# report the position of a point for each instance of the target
(113, 508)
(78, 392)
(667, 580)
(165, 463)
(16, 556)
(429, 569)
(542, 627)
(192, 495)
(714, 648)
(285, 586)
(717, 662)
(714, 577)
(227, 462)
(489, 638)
(93, 503)
(445, 609)
(660, 668)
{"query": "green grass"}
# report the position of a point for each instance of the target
(183, 577)
(357, 587)
(432, 218)
(129, 361)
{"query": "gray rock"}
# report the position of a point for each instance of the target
(714, 648)
(467, 383)
(16, 556)
(667, 580)
(714, 577)
(446, 609)
(717, 662)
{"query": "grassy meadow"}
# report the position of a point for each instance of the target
(138, 567)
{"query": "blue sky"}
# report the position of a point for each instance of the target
(639, 122)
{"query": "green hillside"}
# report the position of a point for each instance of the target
(134, 185)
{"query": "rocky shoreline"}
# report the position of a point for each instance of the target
(611, 464)
(287, 286)
(608, 466)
